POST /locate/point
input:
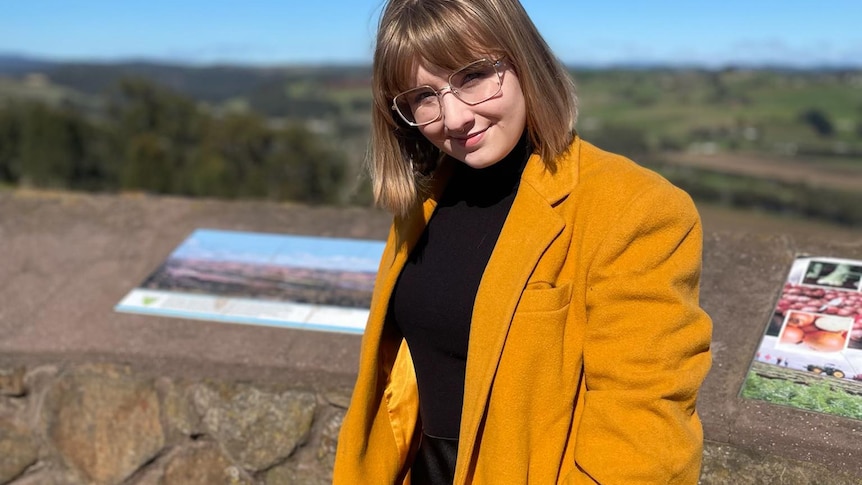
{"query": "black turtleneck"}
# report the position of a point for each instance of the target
(432, 303)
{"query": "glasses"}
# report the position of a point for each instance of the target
(474, 83)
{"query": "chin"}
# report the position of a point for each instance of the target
(480, 158)
(478, 162)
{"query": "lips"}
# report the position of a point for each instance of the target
(471, 139)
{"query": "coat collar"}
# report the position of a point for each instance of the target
(556, 183)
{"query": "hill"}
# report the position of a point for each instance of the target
(784, 140)
(13, 64)
(215, 84)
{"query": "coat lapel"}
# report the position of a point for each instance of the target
(531, 226)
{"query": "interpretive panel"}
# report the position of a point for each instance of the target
(312, 283)
(810, 356)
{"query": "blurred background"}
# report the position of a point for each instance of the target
(755, 108)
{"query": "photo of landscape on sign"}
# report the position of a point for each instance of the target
(810, 356)
(291, 281)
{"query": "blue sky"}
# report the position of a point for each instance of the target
(280, 249)
(263, 32)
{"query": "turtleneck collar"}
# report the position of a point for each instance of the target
(488, 185)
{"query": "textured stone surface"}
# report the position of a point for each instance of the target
(312, 464)
(178, 413)
(339, 397)
(294, 474)
(50, 475)
(40, 378)
(17, 449)
(203, 464)
(329, 439)
(151, 475)
(723, 465)
(104, 422)
(256, 428)
(12, 382)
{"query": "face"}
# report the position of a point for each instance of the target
(479, 135)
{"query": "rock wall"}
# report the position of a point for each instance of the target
(106, 424)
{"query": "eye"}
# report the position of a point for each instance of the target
(421, 97)
(472, 76)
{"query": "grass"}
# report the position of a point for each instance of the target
(676, 103)
(818, 396)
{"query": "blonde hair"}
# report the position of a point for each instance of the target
(449, 34)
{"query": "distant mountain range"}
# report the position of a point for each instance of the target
(11, 64)
(206, 83)
(217, 83)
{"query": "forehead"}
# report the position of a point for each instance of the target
(436, 56)
(424, 73)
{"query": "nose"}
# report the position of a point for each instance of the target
(457, 115)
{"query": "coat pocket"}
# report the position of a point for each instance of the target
(544, 299)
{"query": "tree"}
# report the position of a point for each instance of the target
(152, 121)
(10, 139)
(233, 157)
(154, 140)
(148, 164)
(818, 121)
(51, 146)
(307, 170)
(623, 139)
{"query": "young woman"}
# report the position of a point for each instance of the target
(536, 314)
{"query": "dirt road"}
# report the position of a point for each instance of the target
(784, 169)
(717, 218)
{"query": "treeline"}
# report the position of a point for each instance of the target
(149, 138)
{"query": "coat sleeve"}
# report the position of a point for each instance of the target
(646, 348)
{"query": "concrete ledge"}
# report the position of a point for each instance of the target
(743, 275)
(68, 258)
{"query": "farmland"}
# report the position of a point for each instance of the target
(788, 142)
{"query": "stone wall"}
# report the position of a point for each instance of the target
(106, 424)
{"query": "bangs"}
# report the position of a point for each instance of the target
(431, 33)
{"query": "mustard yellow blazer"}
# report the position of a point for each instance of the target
(587, 346)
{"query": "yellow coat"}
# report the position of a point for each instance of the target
(587, 344)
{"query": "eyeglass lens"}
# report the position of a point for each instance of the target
(472, 84)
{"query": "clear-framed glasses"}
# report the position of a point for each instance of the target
(474, 83)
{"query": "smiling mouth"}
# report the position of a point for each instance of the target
(464, 138)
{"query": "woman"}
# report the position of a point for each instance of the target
(536, 314)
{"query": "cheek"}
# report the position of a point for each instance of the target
(520, 112)
(433, 132)
(519, 107)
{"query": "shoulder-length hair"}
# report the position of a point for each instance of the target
(449, 34)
